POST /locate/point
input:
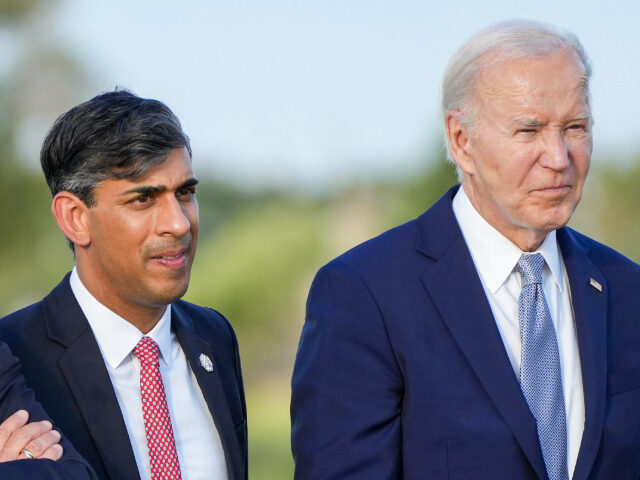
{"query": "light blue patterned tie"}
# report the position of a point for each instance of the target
(540, 377)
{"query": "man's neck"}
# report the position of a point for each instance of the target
(526, 239)
(143, 317)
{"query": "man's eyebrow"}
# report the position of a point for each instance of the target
(146, 190)
(191, 182)
(529, 122)
(155, 189)
(582, 116)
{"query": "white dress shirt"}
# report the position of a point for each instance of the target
(197, 439)
(495, 258)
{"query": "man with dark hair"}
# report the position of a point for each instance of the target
(144, 384)
(484, 339)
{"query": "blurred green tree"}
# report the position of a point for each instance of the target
(35, 81)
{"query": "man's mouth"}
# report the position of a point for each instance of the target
(171, 259)
(554, 189)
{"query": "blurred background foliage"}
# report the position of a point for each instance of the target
(258, 250)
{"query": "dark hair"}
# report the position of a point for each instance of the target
(115, 135)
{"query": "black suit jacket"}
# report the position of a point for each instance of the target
(15, 395)
(401, 371)
(62, 363)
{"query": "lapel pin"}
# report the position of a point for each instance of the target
(595, 284)
(206, 362)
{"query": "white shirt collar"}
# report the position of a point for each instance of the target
(494, 255)
(117, 337)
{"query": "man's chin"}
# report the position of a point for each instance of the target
(553, 218)
(553, 224)
(168, 294)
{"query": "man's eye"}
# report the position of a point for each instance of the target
(186, 192)
(576, 126)
(527, 130)
(141, 199)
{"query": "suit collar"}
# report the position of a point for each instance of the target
(455, 288)
(210, 382)
(64, 319)
(468, 316)
(435, 243)
(88, 379)
(116, 336)
(494, 255)
(89, 382)
(590, 313)
(84, 369)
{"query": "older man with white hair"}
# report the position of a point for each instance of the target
(484, 339)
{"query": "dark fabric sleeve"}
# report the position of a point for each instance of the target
(14, 396)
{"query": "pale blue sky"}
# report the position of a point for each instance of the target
(313, 93)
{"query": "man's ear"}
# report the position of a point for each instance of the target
(458, 137)
(72, 217)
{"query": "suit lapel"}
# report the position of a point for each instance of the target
(590, 312)
(84, 369)
(87, 377)
(211, 386)
(453, 284)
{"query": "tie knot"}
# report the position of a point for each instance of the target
(530, 268)
(147, 351)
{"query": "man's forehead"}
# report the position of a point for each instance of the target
(558, 79)
(173, 172)
(497, 63)
(501, 57)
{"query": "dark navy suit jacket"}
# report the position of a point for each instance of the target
(14, 395)
(401, 372)
(62, 363)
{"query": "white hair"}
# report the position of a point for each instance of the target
(502, 42)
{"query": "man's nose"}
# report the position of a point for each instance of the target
(171, 218)
(556, 152)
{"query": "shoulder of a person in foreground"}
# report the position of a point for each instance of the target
(15, 395)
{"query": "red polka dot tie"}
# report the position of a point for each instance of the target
(157, 422)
